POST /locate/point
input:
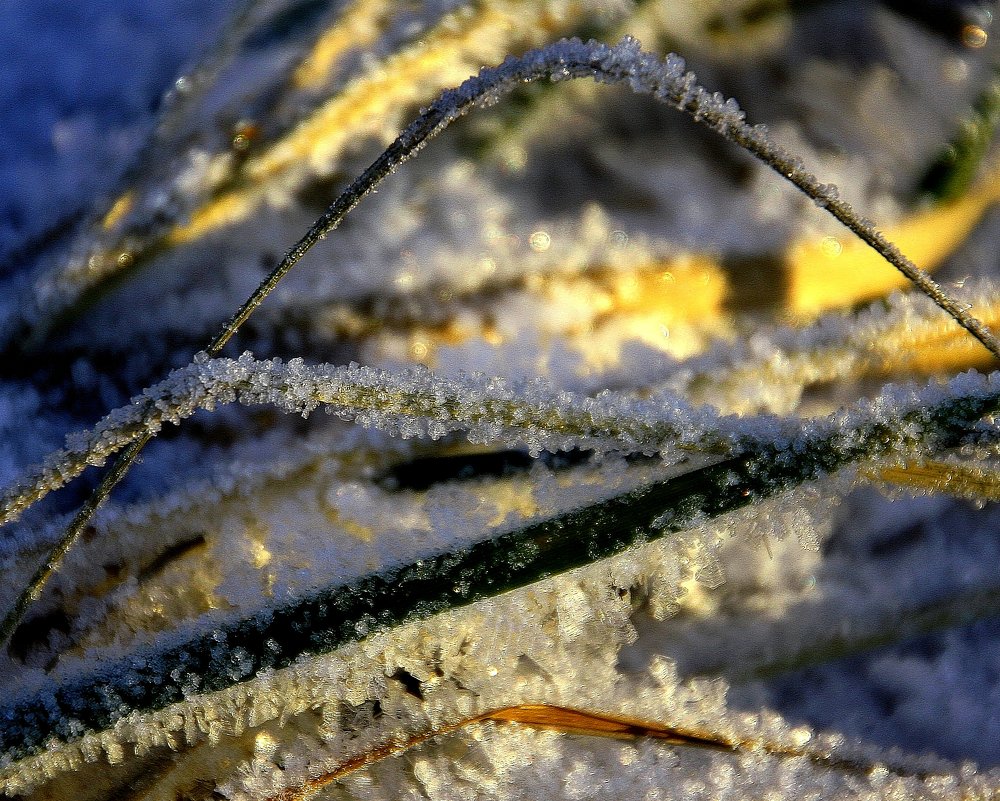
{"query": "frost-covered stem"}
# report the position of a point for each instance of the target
(664, 80)
(276, 637)
(865, 230)
(54, 558)
(626, 63)
(414, 402)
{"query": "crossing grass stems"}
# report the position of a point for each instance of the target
(750, 465)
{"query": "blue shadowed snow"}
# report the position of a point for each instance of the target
(81, 83)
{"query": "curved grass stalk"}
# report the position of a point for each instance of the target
(400, 402)
(276, 637)
(668, 81)
(411, 403)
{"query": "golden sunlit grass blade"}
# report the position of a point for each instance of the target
(673, 305)
(909, 341)
(119, 210)
(842, 270)
(370, 105)
(357, 27)
(575, 721)
(927, 347)
(975, 481)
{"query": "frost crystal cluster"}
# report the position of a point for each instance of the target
(640, 474)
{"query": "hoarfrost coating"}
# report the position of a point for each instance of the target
(238, 511)
(567, 58)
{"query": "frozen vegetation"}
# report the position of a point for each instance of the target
(623, 436)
